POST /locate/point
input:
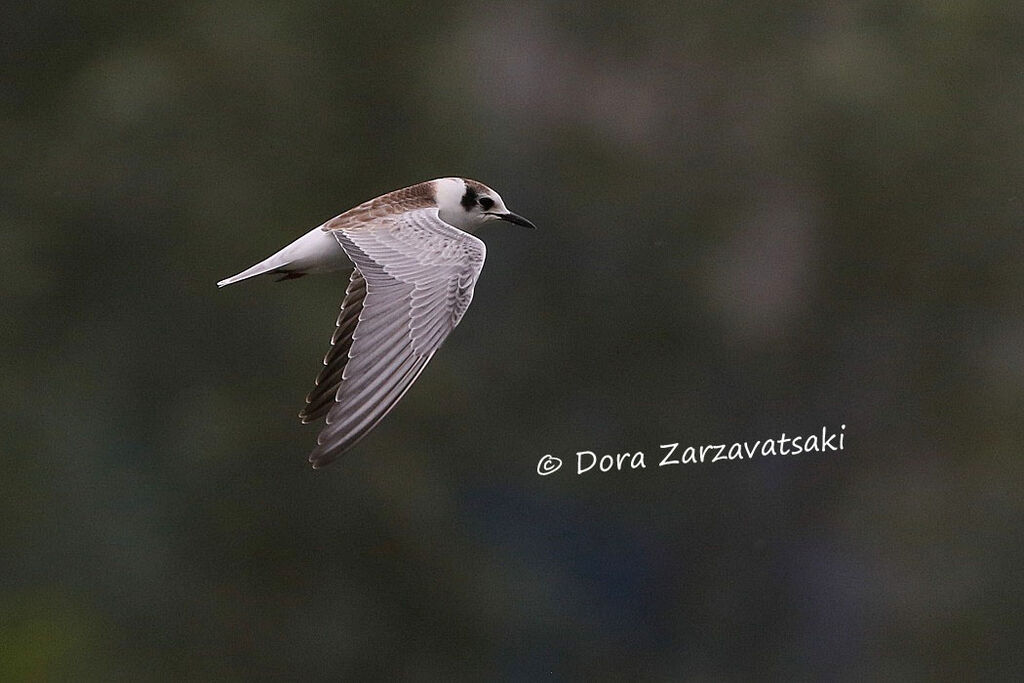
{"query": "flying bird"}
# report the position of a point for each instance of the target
(416, 264)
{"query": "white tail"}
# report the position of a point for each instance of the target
(315, 252)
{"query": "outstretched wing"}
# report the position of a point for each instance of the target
(413, 282)
(321, 398)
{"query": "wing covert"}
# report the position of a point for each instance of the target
(413, 282)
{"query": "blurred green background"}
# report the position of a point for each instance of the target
(753, 220)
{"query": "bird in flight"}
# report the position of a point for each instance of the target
(416, 264)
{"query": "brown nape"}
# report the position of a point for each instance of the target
(287, 275)
(476, 186)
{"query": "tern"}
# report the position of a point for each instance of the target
(415, 266)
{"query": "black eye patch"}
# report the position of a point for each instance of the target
(486, 203)
(468, 199)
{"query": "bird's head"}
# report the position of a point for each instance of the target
(467, 204)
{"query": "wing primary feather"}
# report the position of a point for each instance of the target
(325, 454)
(337, 356)
(415, 280)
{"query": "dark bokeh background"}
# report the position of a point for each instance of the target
(753, 221)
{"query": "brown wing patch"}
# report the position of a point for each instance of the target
(418, 196)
